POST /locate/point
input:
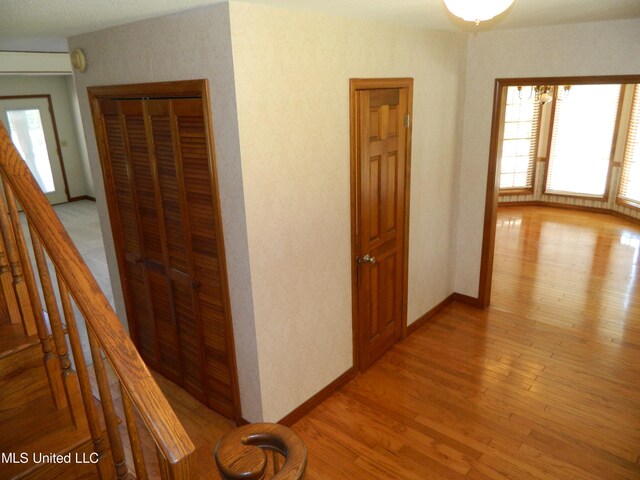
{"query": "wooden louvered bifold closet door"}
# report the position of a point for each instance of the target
(162, 198)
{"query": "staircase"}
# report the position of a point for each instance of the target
(59, 417)
(52, 425)
(31, 424)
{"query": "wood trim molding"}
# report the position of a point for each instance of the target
(593, 198)
(628, 204)
(299, 412)
(58, 147)
(491, 198)
(468, 300)
(430, 314)
(374, 83)
(552, 120)
(586, 80)
(491, 204)
(568, 206)
(82, 197)
(305, 408)
(515, 191)
(614, 144)
(182, 88)
(222, 255)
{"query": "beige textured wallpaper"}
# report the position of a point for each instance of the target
(190, 45)
(292, 74)
(56, 86)
(279, 83)
(600, 48)
(280, 100)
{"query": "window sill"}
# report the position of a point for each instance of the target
(583, 196)
(628, 203)
(515, 191)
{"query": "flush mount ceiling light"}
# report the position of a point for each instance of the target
(477, 10)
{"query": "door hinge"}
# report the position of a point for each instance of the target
(407, 120)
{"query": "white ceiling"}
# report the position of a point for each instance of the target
(64, 18)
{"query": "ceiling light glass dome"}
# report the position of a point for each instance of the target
(477, 10)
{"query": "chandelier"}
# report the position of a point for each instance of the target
(544, 93)
(477, 10)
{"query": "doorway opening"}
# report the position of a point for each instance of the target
(31, 123)
(555, 87)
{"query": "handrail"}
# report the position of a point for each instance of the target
(242, 453)
(172, 441)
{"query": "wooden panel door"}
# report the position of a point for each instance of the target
(161, 189)
(381, 172)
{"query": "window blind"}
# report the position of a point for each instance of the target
(629, 191)
(583, 130)
(520, 132)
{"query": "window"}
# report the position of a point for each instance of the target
(583, 131)
(629, 192)
(520, 131)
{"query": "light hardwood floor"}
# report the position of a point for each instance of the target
(544, 384)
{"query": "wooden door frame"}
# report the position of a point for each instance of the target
(493, 178)
(174, 89)
(356, 84)
(55, 135)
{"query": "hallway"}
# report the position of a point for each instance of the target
(543, 384)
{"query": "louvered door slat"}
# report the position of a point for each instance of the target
(199, 193)
(161, 189)
(184, 308)
(167, 178)
(141, 171)
(124, 218)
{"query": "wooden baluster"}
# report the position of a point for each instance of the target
(106, 399)
(6, 280)
(105, 469)
(175, 449)
(134, 437)
(69, 378)
(20, 286)
(52, 366)
(50, 301)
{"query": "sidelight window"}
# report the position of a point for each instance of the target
(629, 190)
(519, 140)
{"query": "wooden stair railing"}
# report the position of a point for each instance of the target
(79, 293)
(242, 454)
